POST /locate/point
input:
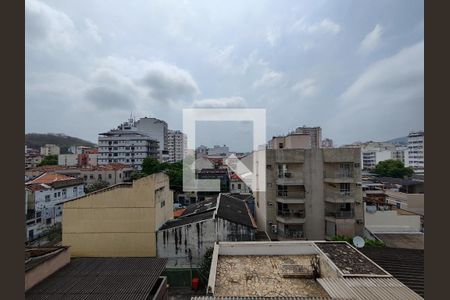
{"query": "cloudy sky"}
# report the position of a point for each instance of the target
(355, 68)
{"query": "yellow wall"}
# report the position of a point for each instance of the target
(118, 222)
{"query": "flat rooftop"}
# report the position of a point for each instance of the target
(265, 276)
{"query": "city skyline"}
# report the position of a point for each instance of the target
(361, 78)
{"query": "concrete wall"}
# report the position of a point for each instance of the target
(175, 243)
(391, 221)
(45, 269)
(118, 222)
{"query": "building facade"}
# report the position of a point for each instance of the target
(50, 149)
(327, 143)
(176, 145)
(119, 221)
(314, 132)
(416, 151)
(156, 129)
(311, 194)
(374, 152)
(126, 145)
(44, 197)
(219, 150)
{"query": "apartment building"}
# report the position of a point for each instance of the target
(311, 194)
(156, 129)
(49, 149)
(176, 145)
(290, 141)
(119, 221)
(401, 153)
(219, 150)
(416, 151)
(126, 145)
(314, 132)
(374, 152)
(44, 197)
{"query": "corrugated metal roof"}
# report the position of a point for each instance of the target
(367, 288)
(257, 298)
(101, 278)
(407, 265)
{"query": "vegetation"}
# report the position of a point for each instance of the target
(368, 243)
(53, 234)
(49, 160)
(37, 140)
(98, 185)
(393, 168)
(173, 170)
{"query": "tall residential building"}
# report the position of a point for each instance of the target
(49, 149)
(176, 144)
(314, 132)
(311, 194)
(327, 143)
(401, 153)
(416, 151)
(156, 129)
(374, 152)
(126, 145)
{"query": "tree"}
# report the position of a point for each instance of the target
(393, 168)
(173, 170)
(49, 160)
(205, 265)
(135, 175)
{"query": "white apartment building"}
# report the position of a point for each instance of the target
(49, 149)
(401, 153)
(44, 197)
(416, 151)
(126, 145)
(374, 152)
(156, 129)
(314, 132)
(176, 144)
(68, 160)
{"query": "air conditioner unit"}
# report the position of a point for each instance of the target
(287, 175)
(359, 221)
(357, 165)
(274, 228)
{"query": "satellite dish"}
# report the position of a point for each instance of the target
(358, 242)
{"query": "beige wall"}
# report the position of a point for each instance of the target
(118, 222)
(45, 269)
(293, 141)
(390, 221)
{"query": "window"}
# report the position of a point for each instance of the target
(91, 176)
(239, 186)
(47, 198)
(120, 175)
(75, 190)
(280, 145)
(345, 189)
(55, 195)
(64, 192)
(398, 205)
(85, 177)
(99, 176)
(282, 190)
(232, 186)
(163, 203)
(48, 221)
(110, 176)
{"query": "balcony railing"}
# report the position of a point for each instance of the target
(291, 213)
(339, 195)
(290, 195)
(294, 235)
(341, 214)
(339, 174)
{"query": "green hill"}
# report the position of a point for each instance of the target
(37, 140)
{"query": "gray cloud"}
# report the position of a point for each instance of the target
(168, 82)
(227, 102)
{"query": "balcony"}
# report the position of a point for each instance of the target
(340, 214)
(292, 195)
(339, 177)
(340, 196)
(291, 216)
(291, 235)
(288, 178)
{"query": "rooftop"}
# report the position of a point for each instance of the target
(54, 180)
(403, 240)
(225, 206)
(301, 270)
(36, 256)
(101, 278)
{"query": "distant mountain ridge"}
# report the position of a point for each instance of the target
(37, 140)
(399, 141)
